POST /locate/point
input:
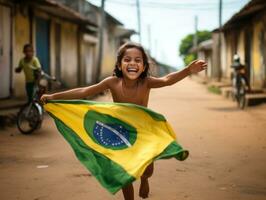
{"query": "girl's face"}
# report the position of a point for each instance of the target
(132, 64)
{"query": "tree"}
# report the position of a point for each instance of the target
(187, 44)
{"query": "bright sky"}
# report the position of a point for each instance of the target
(169, 21)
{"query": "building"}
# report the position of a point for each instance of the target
(244, 34)
(114, 35)
(65, 37)
(204, 52)
(55, 30)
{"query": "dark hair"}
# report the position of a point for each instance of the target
(27, 46)
(121, 53)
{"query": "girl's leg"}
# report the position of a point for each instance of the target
(128, 192)
(144, 185)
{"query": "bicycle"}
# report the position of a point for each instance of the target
(30, 116)
(239, 83)
(239, 90)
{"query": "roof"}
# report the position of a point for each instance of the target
(58, 9)
(250, 9)
(205, 45)
(116, 21)
(108, 15)
(121, 31)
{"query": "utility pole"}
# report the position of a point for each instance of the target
(100, 52)
(220, 41)
(155, 48)
(139, 22)
(149, 37)
(195, 39)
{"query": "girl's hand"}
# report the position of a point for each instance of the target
(197, 66)
(46, 97)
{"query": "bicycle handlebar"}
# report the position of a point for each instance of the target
(47, 76)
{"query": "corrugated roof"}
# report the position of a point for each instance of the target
(205, 45)
(58, 9)
(121, 31)
(247, 11)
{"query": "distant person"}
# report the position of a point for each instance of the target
(131, 83)
(31, 66)
(240, 69)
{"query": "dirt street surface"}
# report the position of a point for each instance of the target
(227, 154)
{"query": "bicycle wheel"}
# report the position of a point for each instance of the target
(28, 119)
(234, 89)
(242, 94)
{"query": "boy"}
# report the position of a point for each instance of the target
(31, 67)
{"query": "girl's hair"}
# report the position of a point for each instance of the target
(27, 46)
(121, 53)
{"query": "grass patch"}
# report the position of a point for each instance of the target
(214, 90)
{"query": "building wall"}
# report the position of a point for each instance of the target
(5, 48)
(241, 46)
(68, 51)
(109, 52)
(224, 64)
(52, 48)
(209, 62)
(233, 45)
(69, 48)
(69, 54)
(88, 59)
(21, 37)
(257, 57)
(215, 67)
(205, 55)
(248, 40)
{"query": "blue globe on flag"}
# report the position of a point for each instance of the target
(109, 131)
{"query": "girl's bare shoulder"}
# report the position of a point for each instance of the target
(149, 80)
(111, 80)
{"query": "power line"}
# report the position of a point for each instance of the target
(171, 4)
(206, 6)
(178, 7)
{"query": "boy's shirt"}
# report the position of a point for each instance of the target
(29, 67)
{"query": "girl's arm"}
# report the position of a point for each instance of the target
(172, 78)
(79, 93)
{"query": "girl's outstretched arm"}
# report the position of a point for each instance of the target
(172, 78)
(79, 93)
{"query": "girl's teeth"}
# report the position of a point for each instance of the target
(132, 70)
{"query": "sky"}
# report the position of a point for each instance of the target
(169, 21)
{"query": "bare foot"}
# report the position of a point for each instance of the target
(144, 188)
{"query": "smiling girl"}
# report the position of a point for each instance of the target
(131, 84)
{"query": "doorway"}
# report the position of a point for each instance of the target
(5, 51)
(42, 43)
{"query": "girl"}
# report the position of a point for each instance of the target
(131, 84)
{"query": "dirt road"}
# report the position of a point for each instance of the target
(227, 154)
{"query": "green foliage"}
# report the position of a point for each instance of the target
(189, 58)
(187, 44)
(214, 90)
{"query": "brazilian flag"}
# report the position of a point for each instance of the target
(115, 141)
